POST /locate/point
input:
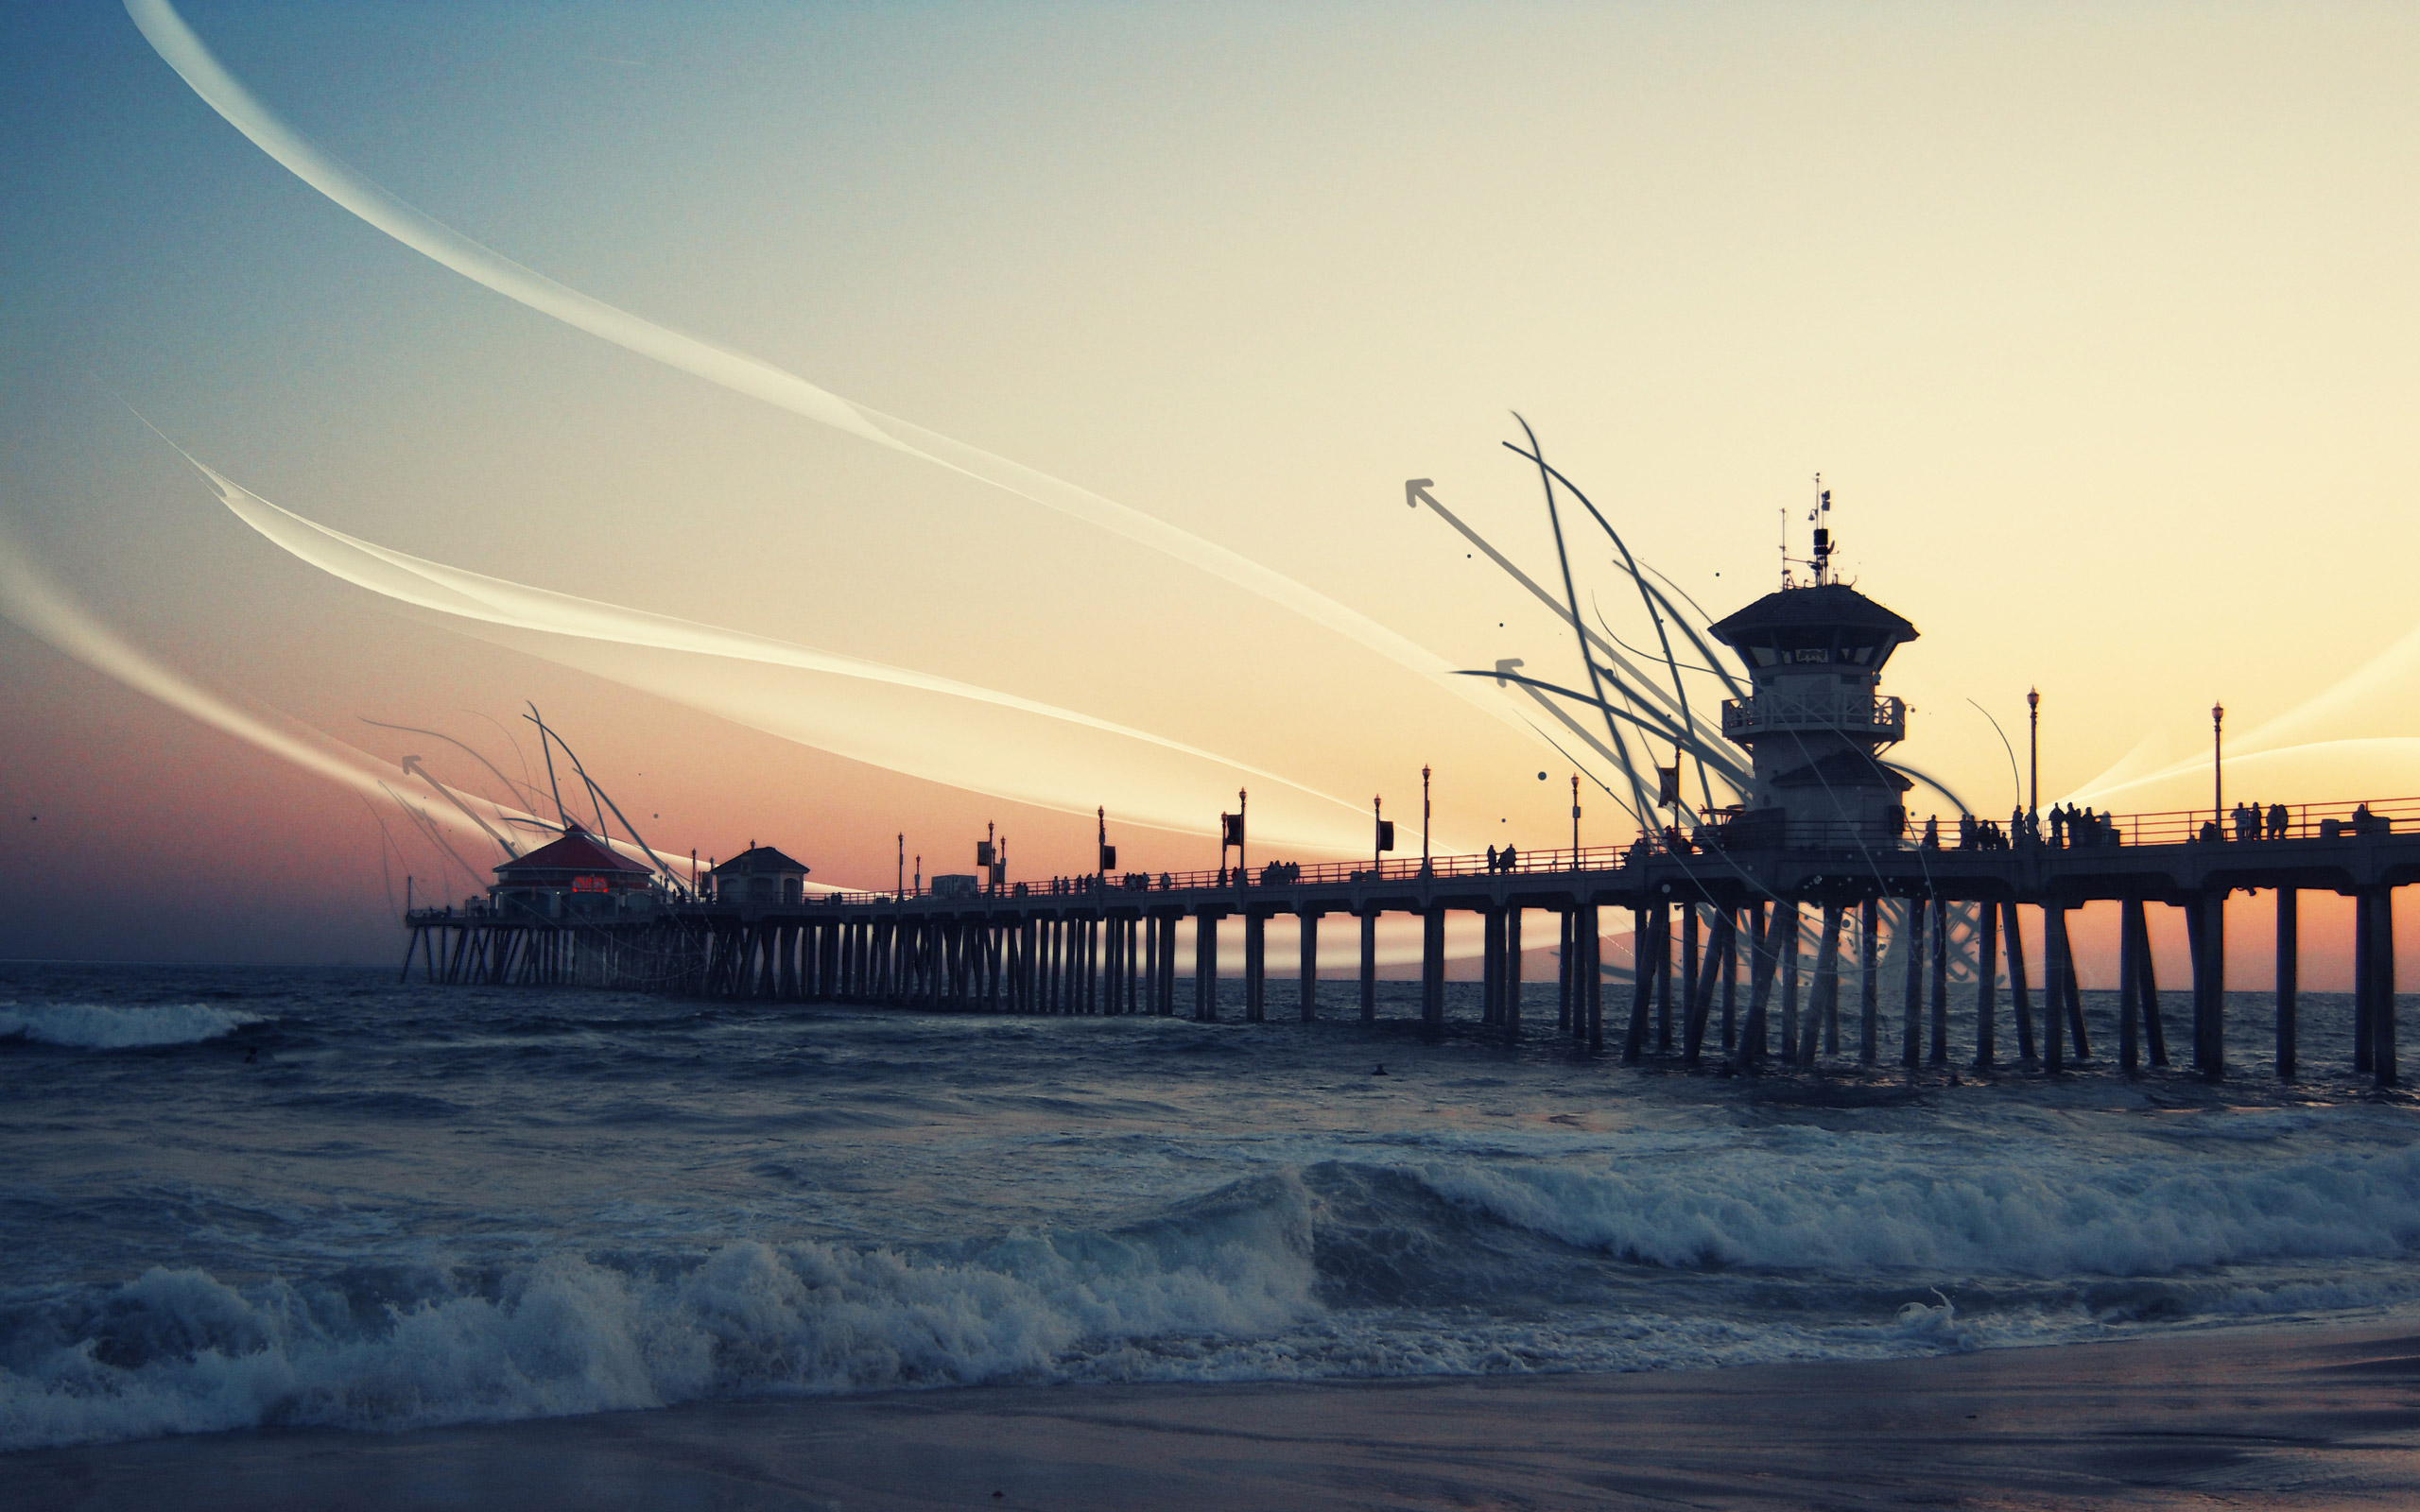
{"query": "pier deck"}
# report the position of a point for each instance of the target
(1110, 944)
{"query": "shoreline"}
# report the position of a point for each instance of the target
(2317, 1416)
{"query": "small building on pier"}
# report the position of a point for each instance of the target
(575, 875)
(760, 875)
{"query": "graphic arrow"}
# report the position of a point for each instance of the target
(413, 768)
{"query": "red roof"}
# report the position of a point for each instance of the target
(576, 851)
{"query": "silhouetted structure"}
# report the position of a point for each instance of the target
(1822, 840)
(1816, 721)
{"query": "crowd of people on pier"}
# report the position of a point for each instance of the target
(2068, 828)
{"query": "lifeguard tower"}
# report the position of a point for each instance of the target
(1816, 721)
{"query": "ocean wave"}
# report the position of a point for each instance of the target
(1332, 1269)
(1877, 1205)
(181, 1351)
(108, 1026)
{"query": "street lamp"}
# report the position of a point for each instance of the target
(1575, 821)
(2033, 749)
(2218, 752)
(1423, 821)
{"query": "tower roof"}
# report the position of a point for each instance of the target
(1822, 607)
(577, 850)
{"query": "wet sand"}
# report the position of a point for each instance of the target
(2263, 1417)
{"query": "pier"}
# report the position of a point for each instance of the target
(1722, 974)
(1739, 921)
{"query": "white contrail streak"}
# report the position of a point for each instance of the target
(46, 610)
(1007, 761)
(193, 60)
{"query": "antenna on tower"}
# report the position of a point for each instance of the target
(1785, 546)
(1821, 517)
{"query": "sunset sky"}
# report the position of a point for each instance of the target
(2099, 321)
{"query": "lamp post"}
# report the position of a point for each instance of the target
(2033, 749)
(1377, 833)
(2218, 752)
(1423, 821)
(899, 887)
(1575, 821)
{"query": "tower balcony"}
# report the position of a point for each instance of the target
(1847, 712)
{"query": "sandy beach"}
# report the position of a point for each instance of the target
(2269, 1417)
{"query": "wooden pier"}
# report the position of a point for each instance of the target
(1722, 971)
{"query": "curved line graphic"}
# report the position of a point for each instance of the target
(184, 52)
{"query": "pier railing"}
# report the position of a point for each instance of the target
(2280, 822)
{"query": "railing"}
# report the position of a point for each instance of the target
(2275, 824)
(1848, 713)
(2249, 824)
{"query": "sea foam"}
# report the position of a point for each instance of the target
(105, 1026)
(1334, 1269)
(182, 1351)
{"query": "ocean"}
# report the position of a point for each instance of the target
(246, 1197)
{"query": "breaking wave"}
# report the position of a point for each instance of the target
(104, 1026)
(1336, 1268)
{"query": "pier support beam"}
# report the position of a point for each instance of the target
(2288, 969)
(1824, 1003)
(1788, 968)
(1911, 1017)
(1987, 984)
(1432, 971)
(2205, 920)
(1206, 967)
(2020, 994)
(1941, 983)
(1646, 949)
(1868, 985)
(1567, 967)
(1701, 990)
(2054, 980)
(2071, 990)
(1592, 974)
(1690, 953)
(1763, 965)
(1309, 919)
(1255, 966)
(1369, 966)
(2379, 907)
(1511, 976)
(2364, 957)
(1731, 970)
(1663, 961)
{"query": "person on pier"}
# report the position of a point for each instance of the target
(2278, 821)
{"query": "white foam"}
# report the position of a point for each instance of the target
(107, 1026)
(1807, 1200)
(1227, 1287)
(180, 1351)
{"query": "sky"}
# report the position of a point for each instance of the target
(2096, 320)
